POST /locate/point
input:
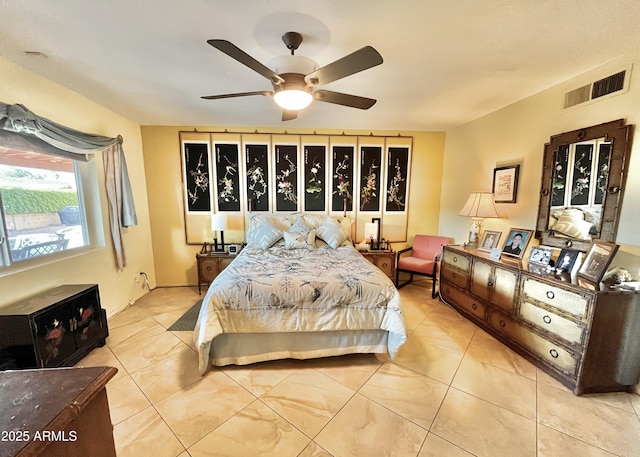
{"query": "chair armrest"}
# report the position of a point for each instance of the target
(402, 251)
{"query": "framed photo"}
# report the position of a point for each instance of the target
(598, 259)
(489, 240)
(517, 242)
(505, 184)
(568, 260)
(535, 268)
(540, 255)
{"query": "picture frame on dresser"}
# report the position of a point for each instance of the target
(597, 260)
(489, 241)
(569, 260)
(540, 255)
(516, 242)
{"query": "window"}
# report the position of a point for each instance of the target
(42, 208)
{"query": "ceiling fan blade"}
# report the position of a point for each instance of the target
(353, 101)
(238, 54)
(238, 94)
(360, 60)
(289, 115)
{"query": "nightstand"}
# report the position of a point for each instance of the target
(210, 264)
(385, 260)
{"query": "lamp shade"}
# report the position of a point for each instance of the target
(480, 204)
(293, 99)
(218, 221)
(371, 231)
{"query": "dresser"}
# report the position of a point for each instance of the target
(384, 260)
(586, 337)
(54, 328)
(60, 412)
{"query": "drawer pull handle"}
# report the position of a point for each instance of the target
(502, 324)
(209, 268)
(550, 295)
(453, 275)
(546, 319)
(554, 353)
(455, 259)
(474, 306)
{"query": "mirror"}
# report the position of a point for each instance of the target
(583, 175)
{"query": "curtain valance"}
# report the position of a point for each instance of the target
(78, 145)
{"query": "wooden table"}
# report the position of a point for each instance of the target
(56, 412)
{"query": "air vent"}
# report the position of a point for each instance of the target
(597, 89)
(577, 96)
(608, 85)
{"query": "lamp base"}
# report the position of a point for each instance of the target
(219, 247)
(474, 232)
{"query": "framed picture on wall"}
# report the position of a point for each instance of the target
(505, 184)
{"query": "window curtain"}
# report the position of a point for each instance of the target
(79, 146)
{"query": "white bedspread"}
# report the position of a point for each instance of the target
(297, 290)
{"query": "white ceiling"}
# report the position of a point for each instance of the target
(446, 62)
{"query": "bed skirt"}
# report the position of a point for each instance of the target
(247, 348)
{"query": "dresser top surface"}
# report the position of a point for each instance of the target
(560, 279)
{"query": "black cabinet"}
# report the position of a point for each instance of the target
(54, 328)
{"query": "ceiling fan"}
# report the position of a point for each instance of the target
(294, 77)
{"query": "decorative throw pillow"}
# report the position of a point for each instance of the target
(571, 223)
(299, 226)
(300, 240)
(265, 234)
(332, 232)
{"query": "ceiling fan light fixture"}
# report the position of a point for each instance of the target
(293, 99)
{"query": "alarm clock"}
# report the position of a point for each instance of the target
(232, 249)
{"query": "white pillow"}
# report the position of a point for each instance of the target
(300, 226)
(575, 227)
(300, 240)
(333, 232)
(265, 234)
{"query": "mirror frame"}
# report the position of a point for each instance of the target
(620, 135)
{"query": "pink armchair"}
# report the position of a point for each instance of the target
(423, 259)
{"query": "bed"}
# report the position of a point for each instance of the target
(299, 289)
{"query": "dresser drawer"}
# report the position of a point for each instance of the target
(564, 328)
(463, 300)
(454, 276)
(385, 262)
(460, 261)
(209, 268)
(564, 300)
(550, 352)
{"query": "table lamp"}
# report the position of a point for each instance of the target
(218, 223)
(479, 206)
(371, 233)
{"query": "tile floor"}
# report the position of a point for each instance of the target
(453, 390)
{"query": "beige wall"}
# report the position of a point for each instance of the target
(96, 266)
(517, 134)
(175, 260)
